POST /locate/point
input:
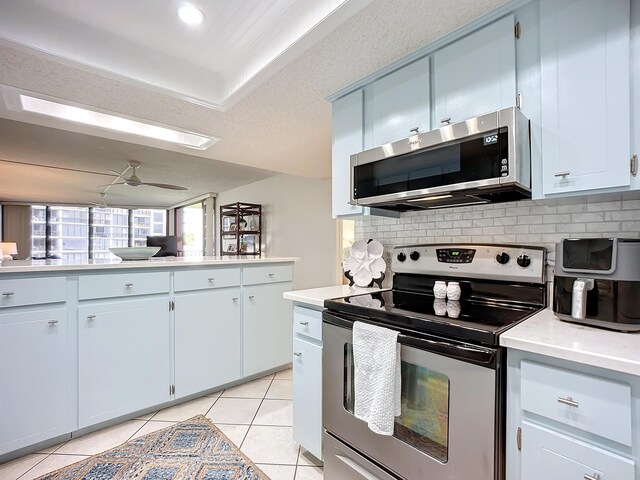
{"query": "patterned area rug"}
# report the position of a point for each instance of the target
(191, 450)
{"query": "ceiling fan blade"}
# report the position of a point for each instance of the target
(165, 185)
(117, 174)
(110, 184)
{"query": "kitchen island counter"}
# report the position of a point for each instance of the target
(36, 266)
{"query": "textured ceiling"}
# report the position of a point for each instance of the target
(284, 125)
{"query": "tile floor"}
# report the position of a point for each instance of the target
(257, 416)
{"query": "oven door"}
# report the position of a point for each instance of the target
(449, 428)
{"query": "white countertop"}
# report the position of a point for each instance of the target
(33, 266)
(544, 334)
(317, 296)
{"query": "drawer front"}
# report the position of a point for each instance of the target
(593, 404)
(122, 285)
(205, 279)
(307, 322)
(267, 274)
(547, 455)
(32, 291)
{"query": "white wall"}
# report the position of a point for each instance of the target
(296, 223)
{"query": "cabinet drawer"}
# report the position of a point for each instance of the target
(593, 404)
(307, 322)
(32, 291)
(122, 285)
(267, 274)
(547, 455)
(205, 279)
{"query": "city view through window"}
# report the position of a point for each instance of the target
(78, 234)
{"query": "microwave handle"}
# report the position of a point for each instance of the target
(579, 297)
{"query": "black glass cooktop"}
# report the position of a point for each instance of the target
(470, 319)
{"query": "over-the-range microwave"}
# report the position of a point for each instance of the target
(484, 159)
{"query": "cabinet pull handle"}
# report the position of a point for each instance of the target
(304, 323)
(8, 294)
(235, 299)
(251, 297)
(564, 174)
(595, 476)
(271, 274)
(211, 279)
(568, 401)
(53, 322)
(446, 120)
(128, 285)
(297, 354)
(414, 130)
(91, 317)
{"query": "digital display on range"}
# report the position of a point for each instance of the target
(455, 255)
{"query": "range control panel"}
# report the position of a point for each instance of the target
(516, 263)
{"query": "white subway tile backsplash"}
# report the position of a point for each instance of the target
(524, 222)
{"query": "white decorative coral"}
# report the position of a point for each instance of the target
(365, 263)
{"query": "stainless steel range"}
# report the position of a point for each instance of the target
(452, 367)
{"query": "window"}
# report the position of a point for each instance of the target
(190, 229)
(77, 234)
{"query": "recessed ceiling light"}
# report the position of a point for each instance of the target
(190, 15)
(114, 122)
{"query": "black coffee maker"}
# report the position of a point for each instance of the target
(597, 282)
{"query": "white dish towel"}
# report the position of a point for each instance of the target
(376, 358)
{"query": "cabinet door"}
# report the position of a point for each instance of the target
(397, 103)
(347, 140)
(267, 328)
(547, 455)
(584, 48)
(208, 344)
(34, 381)
(476, 74)
(123, 357)
(307, 395)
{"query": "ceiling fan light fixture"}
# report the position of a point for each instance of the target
(190, 14)
(114, 123)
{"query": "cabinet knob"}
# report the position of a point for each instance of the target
(446, 120)
(564, 174)
(304, 323)
(297, 354)
(251, 297)
(271, 274)
(211, 279)
(8, 294)
(235, 299)
(568, 401)
(414, 130)
(128, 285)
(91, 317)
(53, 322)
(595, 476)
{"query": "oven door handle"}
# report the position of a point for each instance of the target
(476, 354)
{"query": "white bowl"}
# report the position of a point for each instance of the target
(134, 253)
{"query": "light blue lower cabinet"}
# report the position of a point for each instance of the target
(34, 377)
(307, 395)
(124, 356)
(208, 340)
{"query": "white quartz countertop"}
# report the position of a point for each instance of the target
(544, 334)
(317, 296)
(33, 266)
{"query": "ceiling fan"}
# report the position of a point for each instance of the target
(133, 180)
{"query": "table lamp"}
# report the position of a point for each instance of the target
(8, 250)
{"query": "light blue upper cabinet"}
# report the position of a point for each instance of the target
(476, 74)
(397, 103)
(585, 114)
(347, 140)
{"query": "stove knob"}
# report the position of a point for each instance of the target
(401, 257)
(503, 258)
(414, 255)
(524, 261)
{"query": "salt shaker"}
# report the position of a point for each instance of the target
(453, 291)
(440, 289)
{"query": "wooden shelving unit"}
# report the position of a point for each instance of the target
(240, 229)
